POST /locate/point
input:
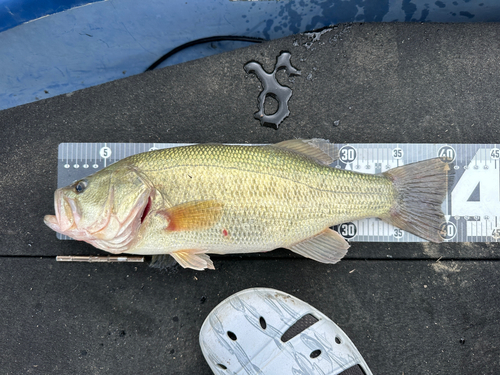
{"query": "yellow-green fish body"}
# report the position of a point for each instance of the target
(221, 199)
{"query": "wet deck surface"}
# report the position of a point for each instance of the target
(411, 308)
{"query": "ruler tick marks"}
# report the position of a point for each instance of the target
(482, 221)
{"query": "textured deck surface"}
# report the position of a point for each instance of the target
(409, 308)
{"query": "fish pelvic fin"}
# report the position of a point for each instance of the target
(195, 259)
(193, 215)
(326, 247)
(320, 149)
(421, 189)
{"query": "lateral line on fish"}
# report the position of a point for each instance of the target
(266, 174)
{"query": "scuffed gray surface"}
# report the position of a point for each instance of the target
(380, 83)
(403, 316)
(359, 83)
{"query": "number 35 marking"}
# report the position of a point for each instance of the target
(397, 153)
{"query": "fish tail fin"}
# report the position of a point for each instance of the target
(421, 189)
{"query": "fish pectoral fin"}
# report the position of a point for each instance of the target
(193, 215)
(327, 247)
(195, 259)
(319, 149)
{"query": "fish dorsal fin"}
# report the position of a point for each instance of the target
(195, 259)
(193, 215)
(327, 247)
(319, 149)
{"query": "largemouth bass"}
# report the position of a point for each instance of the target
(220, 199)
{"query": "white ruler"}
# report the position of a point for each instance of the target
(472, 206)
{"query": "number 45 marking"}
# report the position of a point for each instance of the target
(495, 153)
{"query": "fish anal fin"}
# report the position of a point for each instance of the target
(326, 247)
(420, 190)
(195, 259)
(319, 149)
(193, 215)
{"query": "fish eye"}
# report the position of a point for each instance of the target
(81, 186)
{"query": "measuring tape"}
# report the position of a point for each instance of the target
(471, 206)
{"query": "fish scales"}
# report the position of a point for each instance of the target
(271, 197)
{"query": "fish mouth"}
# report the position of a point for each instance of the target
(52, 223)
(67, 214)
(108, 233)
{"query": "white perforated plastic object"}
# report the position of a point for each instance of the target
(265, 331)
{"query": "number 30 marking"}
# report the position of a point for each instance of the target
(347, 230)
(347, 154)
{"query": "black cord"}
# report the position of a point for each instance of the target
(201, 41)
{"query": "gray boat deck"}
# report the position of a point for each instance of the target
(410, 308)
